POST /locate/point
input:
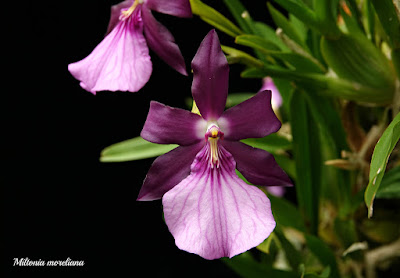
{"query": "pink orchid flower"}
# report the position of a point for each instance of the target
(121, 62)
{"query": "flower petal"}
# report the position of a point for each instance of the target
(167, 171)
(116, 13)
(268, 84)
(161, 41)
(257, 166)
(253, 118)
(179, 8)
(167, 125)
(121, 62)
(213, 213)
(210, 77)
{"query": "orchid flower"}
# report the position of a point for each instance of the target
(121, 62)
(208, 209)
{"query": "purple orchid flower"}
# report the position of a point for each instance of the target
(121, 62)
(208, 209)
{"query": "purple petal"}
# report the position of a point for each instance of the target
(179, 8)
(167, 125)
(116, 12)
(167, 171)
(210, 78)
(257, 166)
(161, 41)
(213, 213)
(253, 118)
(121, 62)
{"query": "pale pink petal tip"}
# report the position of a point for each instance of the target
(213, 213)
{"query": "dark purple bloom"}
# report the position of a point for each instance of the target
(208, 209)
(121, 62)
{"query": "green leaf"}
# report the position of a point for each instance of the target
(387, 15)
(133, 149)
(241, 15)
(333, 140)
(246, 266)
(292, 254)
(308, 161)
(237, 56)
(286, 214)
(326, 13)
(323, 253)
(270, 143)
(380, 157)
(328, 85)
(286, 26)
(355, 58)
(236, 98)
(390, 185)
(301, 11)
(288, 165)
(266, 32)
(257, 42)
(214, 18)
(299, 62)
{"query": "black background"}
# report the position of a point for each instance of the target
(58, 200)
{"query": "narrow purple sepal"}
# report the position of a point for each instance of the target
(161, 41)
(257, 166)
(210, 77)
(179, 8)
(158, 180)
(253, 118)
(116, 13)
(167, 125)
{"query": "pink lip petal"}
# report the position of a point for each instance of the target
(215, 214)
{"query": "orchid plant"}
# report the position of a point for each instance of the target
(332, 72)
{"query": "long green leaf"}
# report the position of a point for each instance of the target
(386, 12)
(286, 214)
(214, 18)
(241, 15)
(266, 32)
(324, 254)
(333, 140)
(133, 149)
(307, 156)
(390, 185)
(287, 27)
(292, 254)
(237, 56)
(301, 11)
(379, 160)
(246, 266)
(270, 143)
(299, 62)
(326, 13)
